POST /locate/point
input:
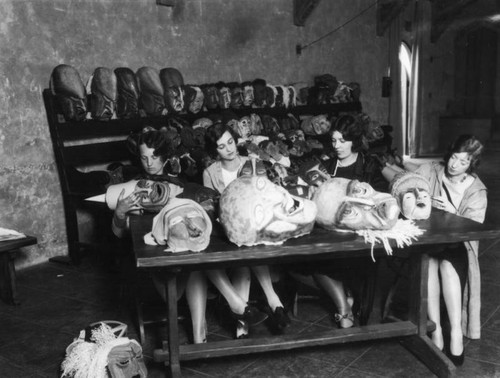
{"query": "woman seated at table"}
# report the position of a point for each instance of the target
(454, 271)
(221, 144)
(351, 162)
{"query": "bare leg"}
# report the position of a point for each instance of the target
(196, 295)
(433, 299)
(335, 290)
(264, 277)
(221, 281)
(452, 293)
(240, 278)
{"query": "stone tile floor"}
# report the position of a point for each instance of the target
(59, 300)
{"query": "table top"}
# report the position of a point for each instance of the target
(8, 245)
(441, 227)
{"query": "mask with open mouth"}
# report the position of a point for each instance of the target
(354, 205)
(253, 211)
(413, 194)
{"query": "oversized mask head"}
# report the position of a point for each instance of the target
(184, 225)
(103, 94)
(253, 211)
(354, 205)
(247, 94)
(154, 195)
(174, 97)
(67, 86)
(413, 194)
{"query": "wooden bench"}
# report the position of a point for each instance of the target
(8, 251)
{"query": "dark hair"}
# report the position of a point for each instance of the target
(213, 134)
(152, 138)
(351, 130)
(466, 143)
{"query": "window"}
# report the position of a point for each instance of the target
(405, 61)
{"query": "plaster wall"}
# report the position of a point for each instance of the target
(207, 40)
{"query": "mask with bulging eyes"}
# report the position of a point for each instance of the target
(254, 211)
(127, 361)
(354, 205)
(184, 225)
(412, 192)
(154, 195)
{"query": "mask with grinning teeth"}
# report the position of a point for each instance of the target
(253, 211)
(354, 205)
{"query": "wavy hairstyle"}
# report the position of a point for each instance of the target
(352, 130)
(466, 143)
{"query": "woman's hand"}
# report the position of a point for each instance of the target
(124, 205)
(442, 203)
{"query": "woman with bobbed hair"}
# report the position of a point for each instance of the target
(454, 271)
(221, 144)
(350, 159)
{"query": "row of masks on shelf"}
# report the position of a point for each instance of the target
(253, 210)
(123, 93)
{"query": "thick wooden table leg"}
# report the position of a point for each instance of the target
(8, 286)
(421, 345)
(173, 328)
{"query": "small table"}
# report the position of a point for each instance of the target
(8, 250)
(320, 244)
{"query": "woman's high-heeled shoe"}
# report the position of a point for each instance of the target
(241, 330)
(251, 316)
(457, 360)
(344, 320)
(280, 318)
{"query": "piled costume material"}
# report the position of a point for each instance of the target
(88, 356)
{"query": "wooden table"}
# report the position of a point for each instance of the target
(8, 250)
(440, 228)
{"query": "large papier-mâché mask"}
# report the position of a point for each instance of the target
(253, 211)
(126, 361)
(413, 194)
(184, 225)
(67, 86)
(154, 195)
(354, 205)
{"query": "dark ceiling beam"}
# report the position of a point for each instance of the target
(302, 9)
(445, 13)
(388, 10)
